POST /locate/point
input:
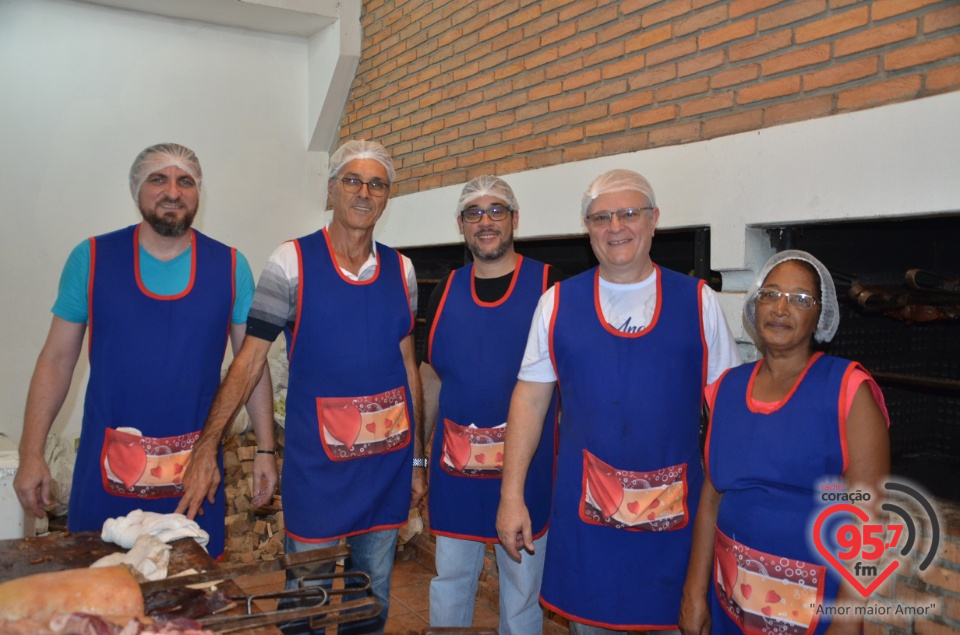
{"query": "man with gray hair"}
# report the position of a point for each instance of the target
(630, 346)
(346, 306)
(158, 298)
(478, 319)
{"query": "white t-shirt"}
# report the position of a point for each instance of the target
(629, 308)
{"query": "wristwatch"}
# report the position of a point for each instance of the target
(421, 463)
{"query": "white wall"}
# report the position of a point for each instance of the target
(82, 90)
(899, 160)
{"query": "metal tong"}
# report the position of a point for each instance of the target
(320, 612)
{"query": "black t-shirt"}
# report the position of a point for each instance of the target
(488, 290)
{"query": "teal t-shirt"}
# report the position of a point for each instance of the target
(163, 278)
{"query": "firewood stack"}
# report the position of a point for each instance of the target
(252, 534)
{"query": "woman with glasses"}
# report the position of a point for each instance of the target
(781, 430)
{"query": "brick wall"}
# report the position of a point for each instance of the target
(456, 88)
(937, 587)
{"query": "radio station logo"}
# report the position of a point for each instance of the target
(868, 552)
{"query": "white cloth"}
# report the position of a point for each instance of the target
(629, 308)
(125, 530)
(149, 555)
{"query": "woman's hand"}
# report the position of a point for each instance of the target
(694, 615)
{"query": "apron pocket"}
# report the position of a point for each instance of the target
(473, 452)
(764, 593)
(635, 501)
(356, 427)
(145, 467)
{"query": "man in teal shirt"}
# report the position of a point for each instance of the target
(165, 271)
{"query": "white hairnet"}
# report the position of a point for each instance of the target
(486, 185)
(829, 308)
(361, 149)
(617, 181)
(161, 156)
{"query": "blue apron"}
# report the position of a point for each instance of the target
(476, 350)
(348, 462)
(628, 471)
(767, 466)
(154, 366)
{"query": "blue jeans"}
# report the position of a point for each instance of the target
(371, 553)
(453, 592)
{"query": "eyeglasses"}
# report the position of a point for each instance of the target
(376, 188)
(796, 300)
(495, 213)
(625, 215)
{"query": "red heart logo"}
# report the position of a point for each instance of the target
(157, 471)
(817, 540)
(371, 428)
(177, 468)
(772, 597)
(766, 611)
(747, 590)
(655, 503)
(481, 458)
(126, 457)
(499, 457)
(651, 516)
(388, 424)
(341, 420)
(633, 507)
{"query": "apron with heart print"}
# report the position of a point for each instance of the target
(767, 460)
(154, 367)
(476, 348)
(628, 469)
(348, 453)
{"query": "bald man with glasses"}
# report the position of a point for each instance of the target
(630, 345)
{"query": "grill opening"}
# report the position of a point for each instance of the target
(912, 347)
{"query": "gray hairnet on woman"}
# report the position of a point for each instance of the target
(779, 428)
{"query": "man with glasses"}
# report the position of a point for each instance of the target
(346, 306)
(478, 319)
(630, 346)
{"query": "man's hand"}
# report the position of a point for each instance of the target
(514, 528)
(694, 615)
(264, 479)
(200, 480)
(32, 484)
(418, 488)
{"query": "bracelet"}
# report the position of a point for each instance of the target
(420, 463)
(266, 451)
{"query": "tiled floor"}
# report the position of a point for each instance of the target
(410, 600)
